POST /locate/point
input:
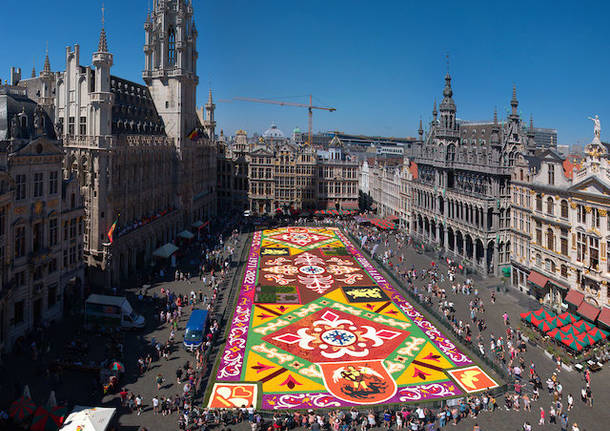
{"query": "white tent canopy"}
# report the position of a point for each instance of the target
(165, 251)
(88, 419)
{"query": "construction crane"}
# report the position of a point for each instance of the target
(310, 108)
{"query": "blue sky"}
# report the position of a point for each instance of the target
(381, 64)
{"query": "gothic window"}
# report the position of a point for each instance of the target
(511, 158)
(538, 203)
(564, 208)
(551, 175)
(451, 153)
(171, 57)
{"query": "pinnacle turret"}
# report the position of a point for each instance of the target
(514, 103)
(102, 46)
(34, 71)
(47, 63)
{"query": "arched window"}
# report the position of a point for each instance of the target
(550, 239)
(550, 207)
(538, 260)
(564, 271)
(511, 158)
(538, 203)
(451, 153)
(171, 57)
(564, 208)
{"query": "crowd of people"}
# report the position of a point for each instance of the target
(209, 280)
(435, 285)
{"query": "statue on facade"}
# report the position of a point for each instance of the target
(38, 119)
(597, 128)
(59, 128)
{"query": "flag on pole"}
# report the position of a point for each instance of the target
(194, 135)
(111, 230)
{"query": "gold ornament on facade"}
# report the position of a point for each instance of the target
(588, 209)
(573, 205)
(603, 213)
(38, 208)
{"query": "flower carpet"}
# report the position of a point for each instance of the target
(317, 326)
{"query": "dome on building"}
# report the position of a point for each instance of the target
(296, 131)
(273, 133)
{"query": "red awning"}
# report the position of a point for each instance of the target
(537, 278)
(574, 297)
(588, 311)
(604, 316)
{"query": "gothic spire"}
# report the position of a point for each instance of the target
(34, 70)
(514, 103)
(210, 97)
(434, 111)
(495, 115)
(420, 131)
(102, 45)
(531, 123)
(47, 63)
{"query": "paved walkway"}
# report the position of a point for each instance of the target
(513, 302)
(77, 387)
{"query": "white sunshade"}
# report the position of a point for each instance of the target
(88, 419)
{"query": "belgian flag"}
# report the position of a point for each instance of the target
(194, 135)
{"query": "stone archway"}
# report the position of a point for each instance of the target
(459, 243)
(433, 230)
(468, 247)
(479, 252)
(441, 237)
(450, 239)
(490, 255)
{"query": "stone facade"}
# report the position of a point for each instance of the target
(337, 178)
(385, 186)
(41, 220)
(273, 175)
(560, 226)
(141, 155)
(232, 173)
(461, 196)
